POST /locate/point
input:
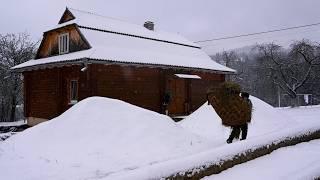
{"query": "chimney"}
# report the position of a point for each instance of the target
(149, 25)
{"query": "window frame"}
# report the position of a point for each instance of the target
(63, 43)
(73, 100)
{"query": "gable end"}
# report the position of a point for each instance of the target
(67, 16)
(50, 46)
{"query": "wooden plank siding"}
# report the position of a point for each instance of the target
(41, 95)
(138, 86)
(47, 91)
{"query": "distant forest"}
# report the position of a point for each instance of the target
(277, 75)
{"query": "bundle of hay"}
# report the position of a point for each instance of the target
(232, 109)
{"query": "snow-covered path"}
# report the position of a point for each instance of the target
(296, 162)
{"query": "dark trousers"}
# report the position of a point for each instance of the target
(236, 132)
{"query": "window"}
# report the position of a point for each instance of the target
(73, 91)
(63, 43)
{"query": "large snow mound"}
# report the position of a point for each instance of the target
(265, 119)
(94, 139)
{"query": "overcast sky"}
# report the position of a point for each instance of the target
(194, 19)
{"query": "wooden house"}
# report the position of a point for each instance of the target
(91, 55)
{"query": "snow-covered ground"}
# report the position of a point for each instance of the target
(101, 138)
(4, 136)
(299, 162)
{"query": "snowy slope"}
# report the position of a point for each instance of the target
(94, 139)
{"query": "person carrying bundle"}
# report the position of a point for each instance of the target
(234, 111)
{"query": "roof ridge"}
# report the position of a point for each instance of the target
(103, 16)
(138, 36)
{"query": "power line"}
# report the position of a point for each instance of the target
(258, 33)
(257, 38)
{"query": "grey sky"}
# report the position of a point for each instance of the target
(194, 19)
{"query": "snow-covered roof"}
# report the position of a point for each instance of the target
(65, 58)
(121, 42)
(92, 20)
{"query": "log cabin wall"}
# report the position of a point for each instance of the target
(49, 46)
(136, 85)
(145, 87)
(67, 74)
(41, 93)
(47, 91)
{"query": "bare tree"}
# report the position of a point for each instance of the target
(226, 58)
(290, 69)
(251, 75)
(14, 49)
(229, 59)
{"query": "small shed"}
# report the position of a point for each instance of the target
(92, 55)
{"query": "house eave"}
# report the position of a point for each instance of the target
(81, 61)
(150, 65)
(50, 65)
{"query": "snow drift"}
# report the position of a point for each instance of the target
(95, 138)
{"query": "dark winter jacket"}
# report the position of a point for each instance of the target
(248, 101)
